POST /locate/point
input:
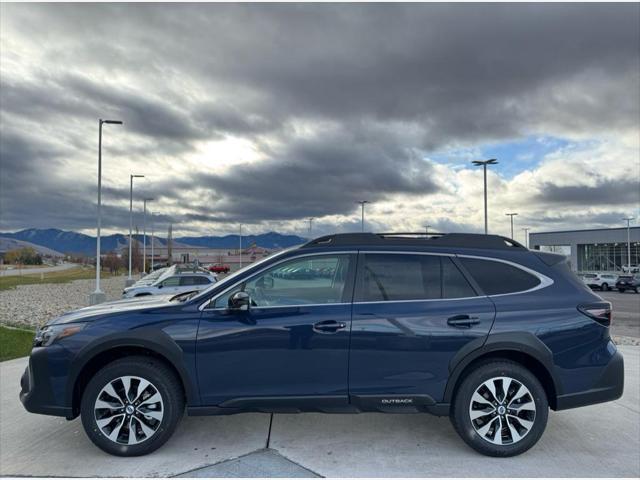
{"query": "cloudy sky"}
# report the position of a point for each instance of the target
(269, 114)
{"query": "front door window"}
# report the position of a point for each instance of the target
(316, 280)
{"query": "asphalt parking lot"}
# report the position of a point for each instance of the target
(626, 312)
(599, 440)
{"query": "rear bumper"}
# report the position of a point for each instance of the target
(609, 387)
(36, 393)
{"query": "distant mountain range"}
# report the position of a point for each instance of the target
(266, 240)
(7, 244)
(79, 243)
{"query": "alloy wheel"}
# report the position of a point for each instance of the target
(502, 410)
(129, 410)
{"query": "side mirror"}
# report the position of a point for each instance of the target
(160, 286)
(240, 301)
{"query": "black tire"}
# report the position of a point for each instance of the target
(621, 290)
(161, 377)
(604, 287)
(460, 412)
(142, 295)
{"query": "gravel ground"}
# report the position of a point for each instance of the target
(32, 305)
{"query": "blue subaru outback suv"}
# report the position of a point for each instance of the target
(475, 327)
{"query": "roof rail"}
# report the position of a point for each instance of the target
(435, 239)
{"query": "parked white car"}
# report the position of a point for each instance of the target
(631, 269)
(151, 278)
(172, 282)
(602, 281)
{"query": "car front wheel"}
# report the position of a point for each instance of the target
(604, 287)
(500, 409)
(132, 406)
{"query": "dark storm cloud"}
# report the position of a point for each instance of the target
(578, 220)
(145, 115)
(231, 119)
(310, 176)
(389, 80)
(607, 192)
(306, 179)
(462, 71)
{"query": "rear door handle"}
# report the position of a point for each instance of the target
(329, 326)
(462, 321)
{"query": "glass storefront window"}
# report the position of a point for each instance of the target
(606, 256)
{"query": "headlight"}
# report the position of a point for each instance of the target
(48, 334)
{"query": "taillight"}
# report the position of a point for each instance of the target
(599, 311)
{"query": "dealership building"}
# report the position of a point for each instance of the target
(598, 250)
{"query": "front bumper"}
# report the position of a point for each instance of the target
(608, 387)
(36, 393)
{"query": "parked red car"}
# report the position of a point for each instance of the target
(219, 268)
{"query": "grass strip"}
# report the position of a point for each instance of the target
(14, 343)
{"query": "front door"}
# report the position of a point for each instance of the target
(291, 345)
(412, 313)
(170, 286)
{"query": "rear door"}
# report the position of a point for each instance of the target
(412, 314)
(193, 282)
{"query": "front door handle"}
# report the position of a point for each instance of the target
(462, 321)
(329, 326)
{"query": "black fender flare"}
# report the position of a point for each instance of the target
(520, 342)
(151, 339)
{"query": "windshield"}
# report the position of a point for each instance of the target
(232, 277)
(167, 273)
(155, 274)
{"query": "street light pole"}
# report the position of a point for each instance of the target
(144, 235)
(240, 245)
(131, 177)
(511, 215)
(628, 220)
(484, 164)
(426, 229)
(526, 236)
(362, 204)
(310, 226)
(152, 226)
(98, 295)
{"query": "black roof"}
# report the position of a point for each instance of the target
(462, 240)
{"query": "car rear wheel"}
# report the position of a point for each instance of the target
(500, 409)
(604, 287)
(621, 290)
(132, 406)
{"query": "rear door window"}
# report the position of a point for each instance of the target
(454, 284)
(393, 277)
(189, 280)
(496, 278)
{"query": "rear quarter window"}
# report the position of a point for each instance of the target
(495, 278)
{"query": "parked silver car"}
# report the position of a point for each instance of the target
(172, 282)
(151, 278)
